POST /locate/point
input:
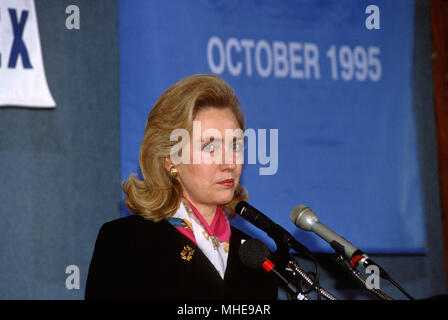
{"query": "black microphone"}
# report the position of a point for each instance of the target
(275, 231)
(255, 254)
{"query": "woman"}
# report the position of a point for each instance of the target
(179, 243)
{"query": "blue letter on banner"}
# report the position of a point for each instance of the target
(18, 47)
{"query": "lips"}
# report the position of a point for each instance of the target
(227, 183)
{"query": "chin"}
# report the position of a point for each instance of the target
(225, 197)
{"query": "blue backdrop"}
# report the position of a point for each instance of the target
(328, 81)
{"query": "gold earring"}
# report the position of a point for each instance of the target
(174, 172)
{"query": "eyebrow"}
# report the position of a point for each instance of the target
(219, 139)
(211, 139)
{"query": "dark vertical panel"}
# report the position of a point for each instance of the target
(60, 169)
(439, 12)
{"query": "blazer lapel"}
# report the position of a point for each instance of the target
(233, 259)
(197, 258)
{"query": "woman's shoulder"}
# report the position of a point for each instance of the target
(133, 219)
(130, 225)
(127, 222)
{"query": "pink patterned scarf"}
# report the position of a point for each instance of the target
(219, 227)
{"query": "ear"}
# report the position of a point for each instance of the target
(167, 163)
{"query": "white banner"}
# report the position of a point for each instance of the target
(22, 73)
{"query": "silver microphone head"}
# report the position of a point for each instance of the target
(303, 217)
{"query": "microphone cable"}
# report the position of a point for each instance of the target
(313, 276)
(401, 289)
(312, 283)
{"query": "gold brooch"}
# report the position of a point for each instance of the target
(187, 253)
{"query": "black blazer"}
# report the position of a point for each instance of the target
(135, 258)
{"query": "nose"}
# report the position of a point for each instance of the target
(228, 163)
(227, 166)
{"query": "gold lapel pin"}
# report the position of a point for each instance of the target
(187, 253)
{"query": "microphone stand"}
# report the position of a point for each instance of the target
(296, 270)
(296, 291)
(339, 249)
(283, 247)
(361, 279)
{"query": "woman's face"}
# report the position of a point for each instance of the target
(214, 179)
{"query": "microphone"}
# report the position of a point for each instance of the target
(255, 254)
(305, 218)
(275, 231)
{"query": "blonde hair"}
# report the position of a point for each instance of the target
(158, 195)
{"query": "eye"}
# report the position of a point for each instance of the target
(209, 147)
(237, 146)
